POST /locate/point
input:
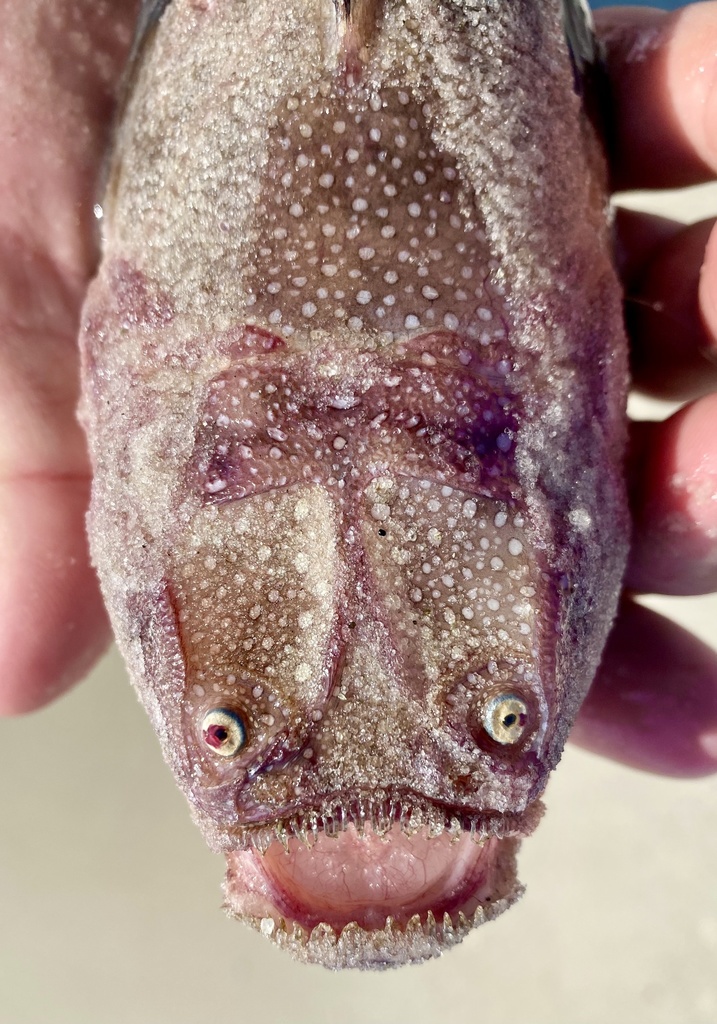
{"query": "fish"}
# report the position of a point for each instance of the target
(354, 380)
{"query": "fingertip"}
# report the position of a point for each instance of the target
(674, 503)
(653, 705)
(707, 291)
(672, 343)
(692, 78)
(53, 625)
(663, 94)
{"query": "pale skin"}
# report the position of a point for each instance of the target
(59, 69)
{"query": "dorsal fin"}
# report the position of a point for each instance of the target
(149, 14)
(578, 28)
(358, 21)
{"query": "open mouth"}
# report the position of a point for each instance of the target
(368, 898)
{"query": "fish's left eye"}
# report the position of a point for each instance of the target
(223, 732)
(505, 718)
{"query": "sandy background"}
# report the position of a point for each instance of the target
(109, 900)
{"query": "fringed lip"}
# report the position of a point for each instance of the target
(367, 898)
(380, 810)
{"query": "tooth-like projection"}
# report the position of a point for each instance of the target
(354, 382)
(386, 947)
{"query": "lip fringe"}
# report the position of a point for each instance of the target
(413, 815)
(422, 938)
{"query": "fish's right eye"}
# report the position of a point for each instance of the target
(505, 718)
(224, 732)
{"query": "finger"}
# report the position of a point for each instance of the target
(57, 83)
(53, 625)
(673, 481)
(58, 77)
(707, 291)
(637, 237)
(653, 704)
(673, 353)
(662, 108)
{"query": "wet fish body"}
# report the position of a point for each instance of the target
(354, 384)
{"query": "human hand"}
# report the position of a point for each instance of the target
(60, 64)
(655, 702)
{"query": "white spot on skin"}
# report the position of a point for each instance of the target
(301, 510)
(580, 518)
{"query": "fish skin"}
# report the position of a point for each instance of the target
(302, 503)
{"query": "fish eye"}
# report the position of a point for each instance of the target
(505, 718)
(224, 732)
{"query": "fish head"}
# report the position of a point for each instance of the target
(375, 601)
(364, 708)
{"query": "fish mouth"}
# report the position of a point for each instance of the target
(377, 896)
